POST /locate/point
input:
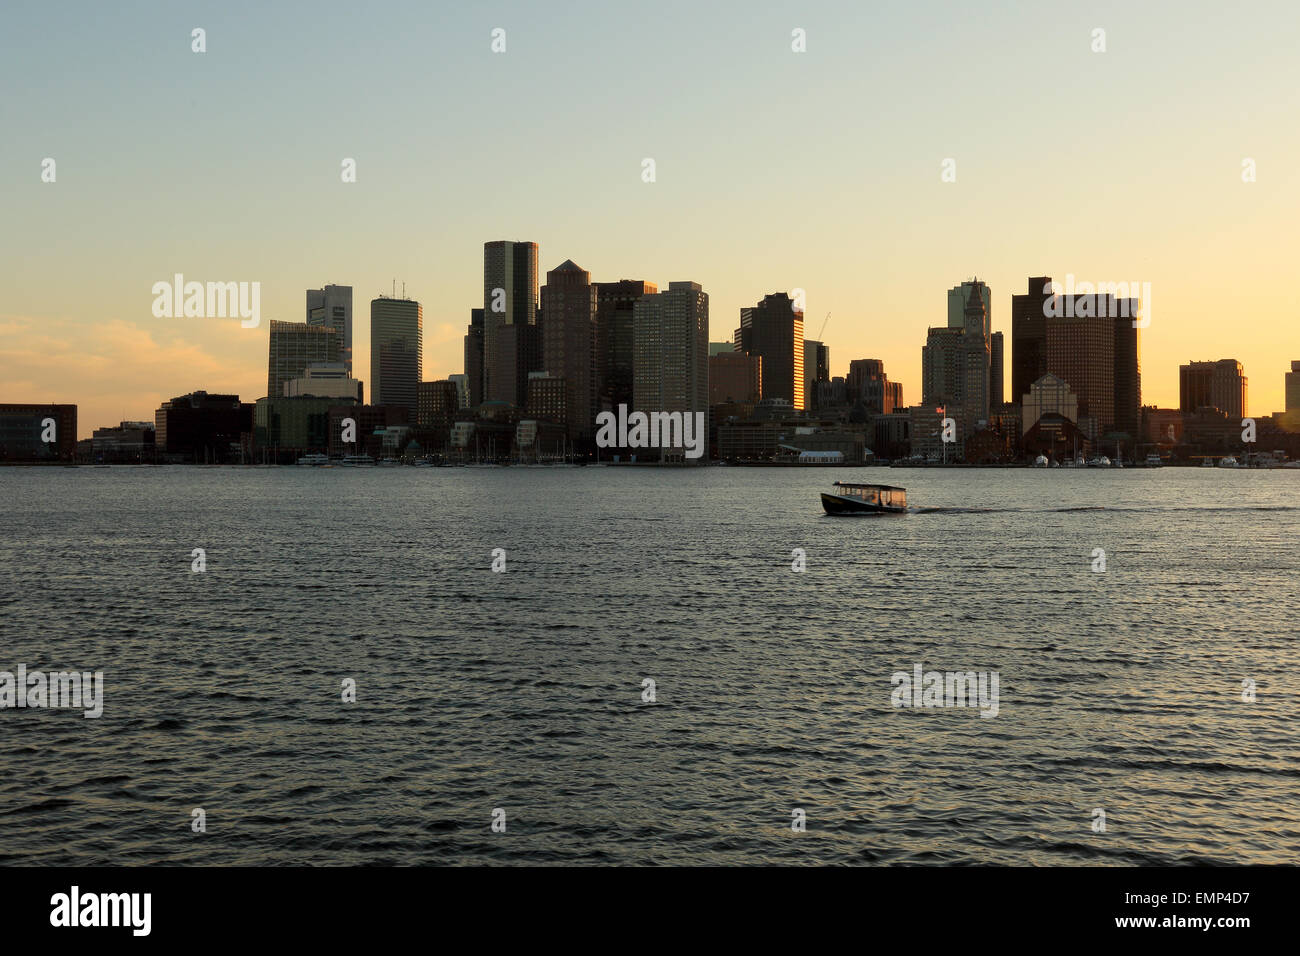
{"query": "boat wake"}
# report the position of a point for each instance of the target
(1203, 510)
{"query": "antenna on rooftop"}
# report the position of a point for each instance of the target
(823, 328)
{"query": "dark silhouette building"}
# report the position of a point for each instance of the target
(25, 428)
(773, 330)
(202, 428)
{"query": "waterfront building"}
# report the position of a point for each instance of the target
(294, 346)
(396, 352)
(331, 307)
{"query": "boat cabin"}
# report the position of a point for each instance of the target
(884, 496)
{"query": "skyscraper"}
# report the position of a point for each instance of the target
(997, 366)
(569, 342)
(615, 303)
(1087, 340)
(396, 349)
(868, 383)
(816, 368)
(1029, 336)
(671, 346)
(474, 359)
(735, 377)
(1128, 376)
(1293, 388)
(294, 346)
(332, 308)
(957, 358)
(509, 298)
(959, 299)
(1081, 352)
(773, 330)
(1218, 385)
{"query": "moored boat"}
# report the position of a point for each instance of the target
(853, 498)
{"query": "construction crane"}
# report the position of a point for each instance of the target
(823, 328)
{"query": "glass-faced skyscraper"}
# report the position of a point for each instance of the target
(671, 350)
(396, 343)
(332, 308)
(294, 346)
(773, 329)
(509, 298)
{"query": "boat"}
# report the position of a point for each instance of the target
(1040, 461)
(1207, 462)
(354, 460)
(314, 460)
(852, 498)
(1154, 461)
(1229, 462)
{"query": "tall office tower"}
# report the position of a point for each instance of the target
(671, 350)
(1029, 336)
(509, 298)
(956, 359)
(396, 350)
(519, 352)
(1081, 352)
(816, 368)
(461, 382)
(868, 383)
(294, 346)
(942, 366)
(332, 308)
(615, 302)
(861, 373)
(1128, 374)
(735, 377)
(718, 348)
(743, 337)
(996, 369)
(1293, 388)
(474, 358)
(959, 299)
(569, 343)
(977, 357)
(773, 330)
(1218, 385)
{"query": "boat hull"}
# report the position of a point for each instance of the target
(842, 505)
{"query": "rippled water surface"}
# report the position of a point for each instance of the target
(523, 691)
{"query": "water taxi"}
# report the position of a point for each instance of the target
(1154, 461)
(851, 498)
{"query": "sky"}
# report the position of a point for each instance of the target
(774, 170)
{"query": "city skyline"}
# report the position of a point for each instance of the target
(1069, 174)
(839, 366)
